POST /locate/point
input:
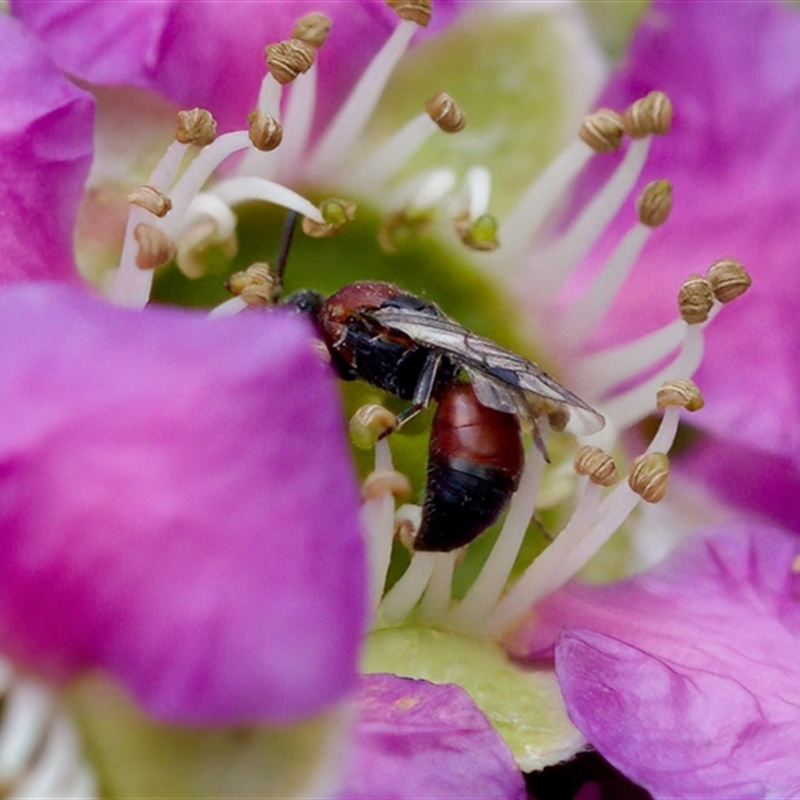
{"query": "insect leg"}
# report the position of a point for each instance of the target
(422, 391)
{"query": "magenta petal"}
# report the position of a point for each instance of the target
(177, 505)
(45, 154)
(417, 739)
(685, 677)
(208, 54)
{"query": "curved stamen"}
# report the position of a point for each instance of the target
(131, 286)
(39, 748)
(437, 598)
(198, 172)
(543, 575)
(477, 604)
(391, 156)
(524, 223)
(256, 162)
(239, 190)
(352, 118)
(230, 307)
(609, 368)
(581, 318)
(377, 515)
(590, 527)
(298, 120)
(478, 186)
(424, 191)
(572, 246)
(400, 600)
(632, 406)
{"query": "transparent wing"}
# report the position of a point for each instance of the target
(498, 375)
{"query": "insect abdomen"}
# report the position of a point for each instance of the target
(475, 461)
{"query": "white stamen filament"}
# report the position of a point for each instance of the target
(400, 600)
(523, 224)
(230, 307)
(131, 286)
(342, 134)
(478, 184)
(436, 600)
(377, 516)
(582, 316)
(210, 206)
(163, 176)
(269, 96)
(297, 122)
(540, 579)
(39, 751)
(424, 191)
(569, 249)
(378, 168)
(482, 595)
(197, 173)
(240, 190)
(257, 162)
(632, 406)
(590, 527)
(604, 370)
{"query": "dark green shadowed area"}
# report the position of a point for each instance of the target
(423, 266)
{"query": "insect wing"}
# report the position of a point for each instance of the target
(497, 374)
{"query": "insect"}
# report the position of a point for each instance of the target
(407, 346)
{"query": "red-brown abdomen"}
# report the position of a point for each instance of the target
(475, 461)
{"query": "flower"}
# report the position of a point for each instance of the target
(419, 631)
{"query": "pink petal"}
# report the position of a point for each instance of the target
(685, 677)
(177, 506)
(417, 739)
(45, 154)
(208, 54)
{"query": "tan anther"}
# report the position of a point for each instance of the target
(418, 11)
(602, 130)
(480, 235)
(196, 127)
(655, 203)
(370, 423)
(336, 214)
(255, 285)
(312, 29)
(266, 133)
(386, 481)
(649, 476)
(680, 392)
(151, 200)
(650, 114)
(155, 247)
(286, 60)
(728, 279)
(695, 299)
(598, 465)
(445, 112)
(795, 567)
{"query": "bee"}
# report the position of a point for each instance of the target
(407, 346)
